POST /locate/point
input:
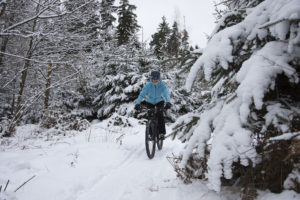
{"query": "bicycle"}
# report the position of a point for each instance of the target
(152, 133)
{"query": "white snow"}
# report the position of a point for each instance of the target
(257, 74)
(103, 162)
(276, 112)
(293, 177)
(287, 136)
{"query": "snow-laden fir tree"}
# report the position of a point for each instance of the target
(107, 9)
(184, 47)
(170, 42)
(160, 38)
(174, 41)
(118, 84)
(127, 23)
(248, 131)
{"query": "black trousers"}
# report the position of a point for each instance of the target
(160, 115)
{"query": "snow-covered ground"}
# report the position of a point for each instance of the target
(108, 163)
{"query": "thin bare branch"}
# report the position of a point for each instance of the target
(24, 183)
(38, 16)
(25, 21)
(6, 185)
(55, 11)
(33, 60)
(42, 73)
(25, 107)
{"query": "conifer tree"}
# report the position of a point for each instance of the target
(174, 41)
(107, 9)
(250, 120)
(82, 27)
(184, 48)
(128, 26)
(160, 38)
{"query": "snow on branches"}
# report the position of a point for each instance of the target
(247, 57)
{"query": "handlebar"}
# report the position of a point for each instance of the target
(156, 109)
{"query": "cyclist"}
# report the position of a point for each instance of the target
(156, 93)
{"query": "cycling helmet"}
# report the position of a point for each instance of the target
(155, 75)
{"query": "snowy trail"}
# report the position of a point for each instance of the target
(93, 166)
(77, 168)
(135, 176)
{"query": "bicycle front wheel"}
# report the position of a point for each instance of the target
(149, 142)
(160, 143)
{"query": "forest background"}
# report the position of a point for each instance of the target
(66, 63)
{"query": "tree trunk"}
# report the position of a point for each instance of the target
(48, 84)
(23, 81)
(3, 49)
(18, 114)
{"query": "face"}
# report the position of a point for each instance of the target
(155, 80)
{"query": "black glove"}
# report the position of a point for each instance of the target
(168, 105)
(137, 107)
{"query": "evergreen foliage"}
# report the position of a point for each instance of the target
(128, 25)
(170, 42)
(174, 41)
(107, 9)
(160, 38)
(106, 13)
(185, 43)
(242, 134)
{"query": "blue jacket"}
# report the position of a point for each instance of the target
(154, 93)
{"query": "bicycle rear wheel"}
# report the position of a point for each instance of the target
(150, 144)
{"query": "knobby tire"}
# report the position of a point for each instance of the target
(150, 145)
(160, 143)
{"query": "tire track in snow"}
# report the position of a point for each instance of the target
(134, 175)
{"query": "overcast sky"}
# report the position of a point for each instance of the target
(199, 19)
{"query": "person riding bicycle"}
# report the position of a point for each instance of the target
(156, 93)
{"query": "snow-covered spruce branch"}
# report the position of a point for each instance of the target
(38, 16)
(275, 63)
(272, 23)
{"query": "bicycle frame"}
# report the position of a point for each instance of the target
(153, 119)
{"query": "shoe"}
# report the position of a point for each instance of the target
(161, 136)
